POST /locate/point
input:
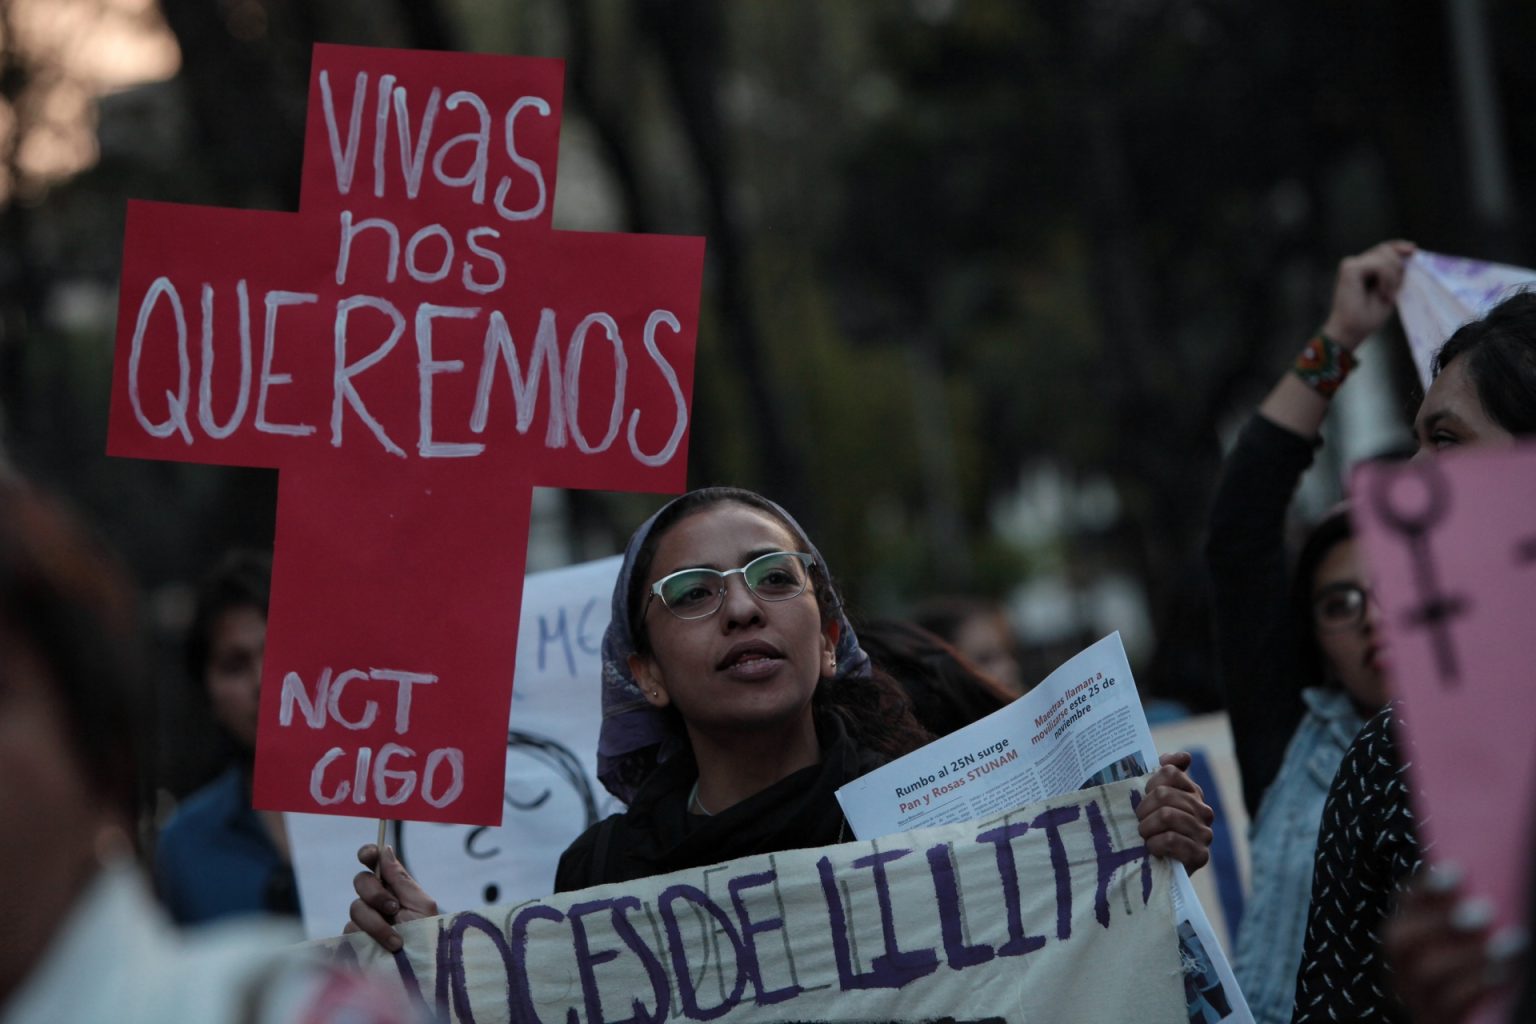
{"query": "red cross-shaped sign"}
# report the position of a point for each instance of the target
(414, 350)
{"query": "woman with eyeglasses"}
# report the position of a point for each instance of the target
(1299, 656)
(1368, 854)
(736, 700)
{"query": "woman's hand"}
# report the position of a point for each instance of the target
(1444, 959)
(1363, 296)
(389, 898)
(1365, 292)
(1175, 819)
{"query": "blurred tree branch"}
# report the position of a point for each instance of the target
(427, 25)
(244, 67)
(608, 114)
(689, 37)
(21, 291)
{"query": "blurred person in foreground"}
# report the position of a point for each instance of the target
(1446, 960)
(1297, 650)
(1368, 852)
(83, 940)
(218, 856)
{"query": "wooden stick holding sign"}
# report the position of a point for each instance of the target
(414, 350)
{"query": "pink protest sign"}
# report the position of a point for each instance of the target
(1451, 549)
(415, 350)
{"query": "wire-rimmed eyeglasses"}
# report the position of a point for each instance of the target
(1340, 606)
(699, 593)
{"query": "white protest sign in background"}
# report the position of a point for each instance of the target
(1440, 293)
(1053, 912)
(1224, 884)
(552, 793)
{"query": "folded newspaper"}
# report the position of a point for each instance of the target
(1083, 726)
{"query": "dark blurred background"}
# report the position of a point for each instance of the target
(990, 281)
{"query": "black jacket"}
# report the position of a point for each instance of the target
(658, 835)
(1255, 645)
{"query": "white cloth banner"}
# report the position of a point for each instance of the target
(1053, 912)
(1440, 293)
(552, 793)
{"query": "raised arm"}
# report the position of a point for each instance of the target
(1245, 547)
(1364, 294)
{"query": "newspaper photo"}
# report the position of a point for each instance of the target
(1081, 727)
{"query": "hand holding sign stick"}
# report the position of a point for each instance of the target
(383, 834)
(387, 896)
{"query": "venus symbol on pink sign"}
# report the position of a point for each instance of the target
(1456, 593)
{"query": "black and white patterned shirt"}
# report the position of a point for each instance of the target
(1366, 854)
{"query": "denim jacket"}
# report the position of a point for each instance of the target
(1282, 842)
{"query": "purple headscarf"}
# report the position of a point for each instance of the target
(635, 736)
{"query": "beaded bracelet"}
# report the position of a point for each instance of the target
(1323, 365)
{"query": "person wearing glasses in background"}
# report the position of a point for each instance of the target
(736, 700)
(1299, 655)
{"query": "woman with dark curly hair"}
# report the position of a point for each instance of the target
(736, 701)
